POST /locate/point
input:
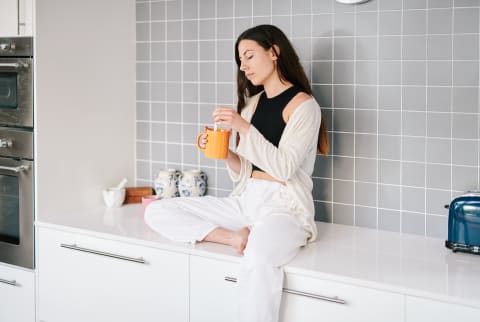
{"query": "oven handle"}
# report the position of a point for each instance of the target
(15, 169)
(14, 65)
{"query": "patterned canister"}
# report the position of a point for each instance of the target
(166, 183)
(193, 183)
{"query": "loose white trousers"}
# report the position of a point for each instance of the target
(276, 236)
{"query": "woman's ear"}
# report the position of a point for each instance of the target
(275, 50)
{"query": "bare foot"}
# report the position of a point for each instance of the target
(237, 239)
(241, 239)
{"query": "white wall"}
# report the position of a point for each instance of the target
(85, 101)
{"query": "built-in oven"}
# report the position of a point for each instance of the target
(16, 197)
(16, 152)
(16, 79)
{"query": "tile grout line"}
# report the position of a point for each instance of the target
(333, 109)
(377, 201)
(426, 125)
(452, 34)
(165, 107)
(150, 145)
(355, 13)
(217, 166)
(199, 127)
(182, 91)
(401, 119)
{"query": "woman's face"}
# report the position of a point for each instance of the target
(258, 64)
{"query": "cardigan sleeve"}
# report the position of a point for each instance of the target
(245, 164)
(245, 168)
(298, 139)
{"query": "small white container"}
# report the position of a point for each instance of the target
(114, 197)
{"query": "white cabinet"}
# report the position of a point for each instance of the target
(17, 294)
(420, 310)
(16, 18)
(83, 278)
(309, 299)
(25, 17)
(213, 295)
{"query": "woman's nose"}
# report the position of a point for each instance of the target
(243, 66)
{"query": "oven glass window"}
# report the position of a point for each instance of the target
(8, 90)
(9, 210)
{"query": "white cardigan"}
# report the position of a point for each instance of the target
(292, 162)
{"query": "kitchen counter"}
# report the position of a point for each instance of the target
(401, 263)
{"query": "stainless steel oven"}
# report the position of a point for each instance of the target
(16, 79)
(16, 152)
(16, 197)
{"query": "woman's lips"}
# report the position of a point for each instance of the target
(250, 75)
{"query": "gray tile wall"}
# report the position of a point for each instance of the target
(398, 82)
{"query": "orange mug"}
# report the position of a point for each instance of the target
(215, 142)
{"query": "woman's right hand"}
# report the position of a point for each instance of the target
(229, 117)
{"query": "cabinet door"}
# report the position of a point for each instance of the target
(420, 310)
(17, 294)
(83, 278)
(8, 18)
(213, 295)
(318, 300)
(25, 17)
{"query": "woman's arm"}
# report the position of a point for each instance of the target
(233, 161)
(298, 139)
(229, 117)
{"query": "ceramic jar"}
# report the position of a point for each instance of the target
(166, 183)
(193, 183)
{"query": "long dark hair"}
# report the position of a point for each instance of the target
(289, 69)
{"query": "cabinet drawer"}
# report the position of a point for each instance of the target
(17, 294)
(419, 310)
(213, 295)
(105, 280)
(309, 299)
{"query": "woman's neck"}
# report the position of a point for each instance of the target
(274, 88)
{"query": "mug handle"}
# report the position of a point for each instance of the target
(199, 137)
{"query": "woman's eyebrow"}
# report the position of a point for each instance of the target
(245, 52)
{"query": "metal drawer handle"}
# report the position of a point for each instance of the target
(92, 251)
(13, 65)
(306, 294)
(15, 169)
(13, 283)
(334, 299)
(230, 279)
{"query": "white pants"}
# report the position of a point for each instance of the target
(275, 238)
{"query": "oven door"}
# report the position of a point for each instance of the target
(16, 212)
(16, 94)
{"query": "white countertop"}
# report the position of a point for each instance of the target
(402, 263)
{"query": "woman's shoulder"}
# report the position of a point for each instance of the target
(299, 100)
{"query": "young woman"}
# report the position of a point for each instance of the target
(270, 214)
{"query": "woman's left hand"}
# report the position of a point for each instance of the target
(228, 117)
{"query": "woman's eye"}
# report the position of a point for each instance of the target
(249, 57)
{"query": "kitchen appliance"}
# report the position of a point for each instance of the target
(16, 152)
(16, 79)
(464, 223)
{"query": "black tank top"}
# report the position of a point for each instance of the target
(268, 118)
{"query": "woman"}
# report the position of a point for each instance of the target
(270, 214)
